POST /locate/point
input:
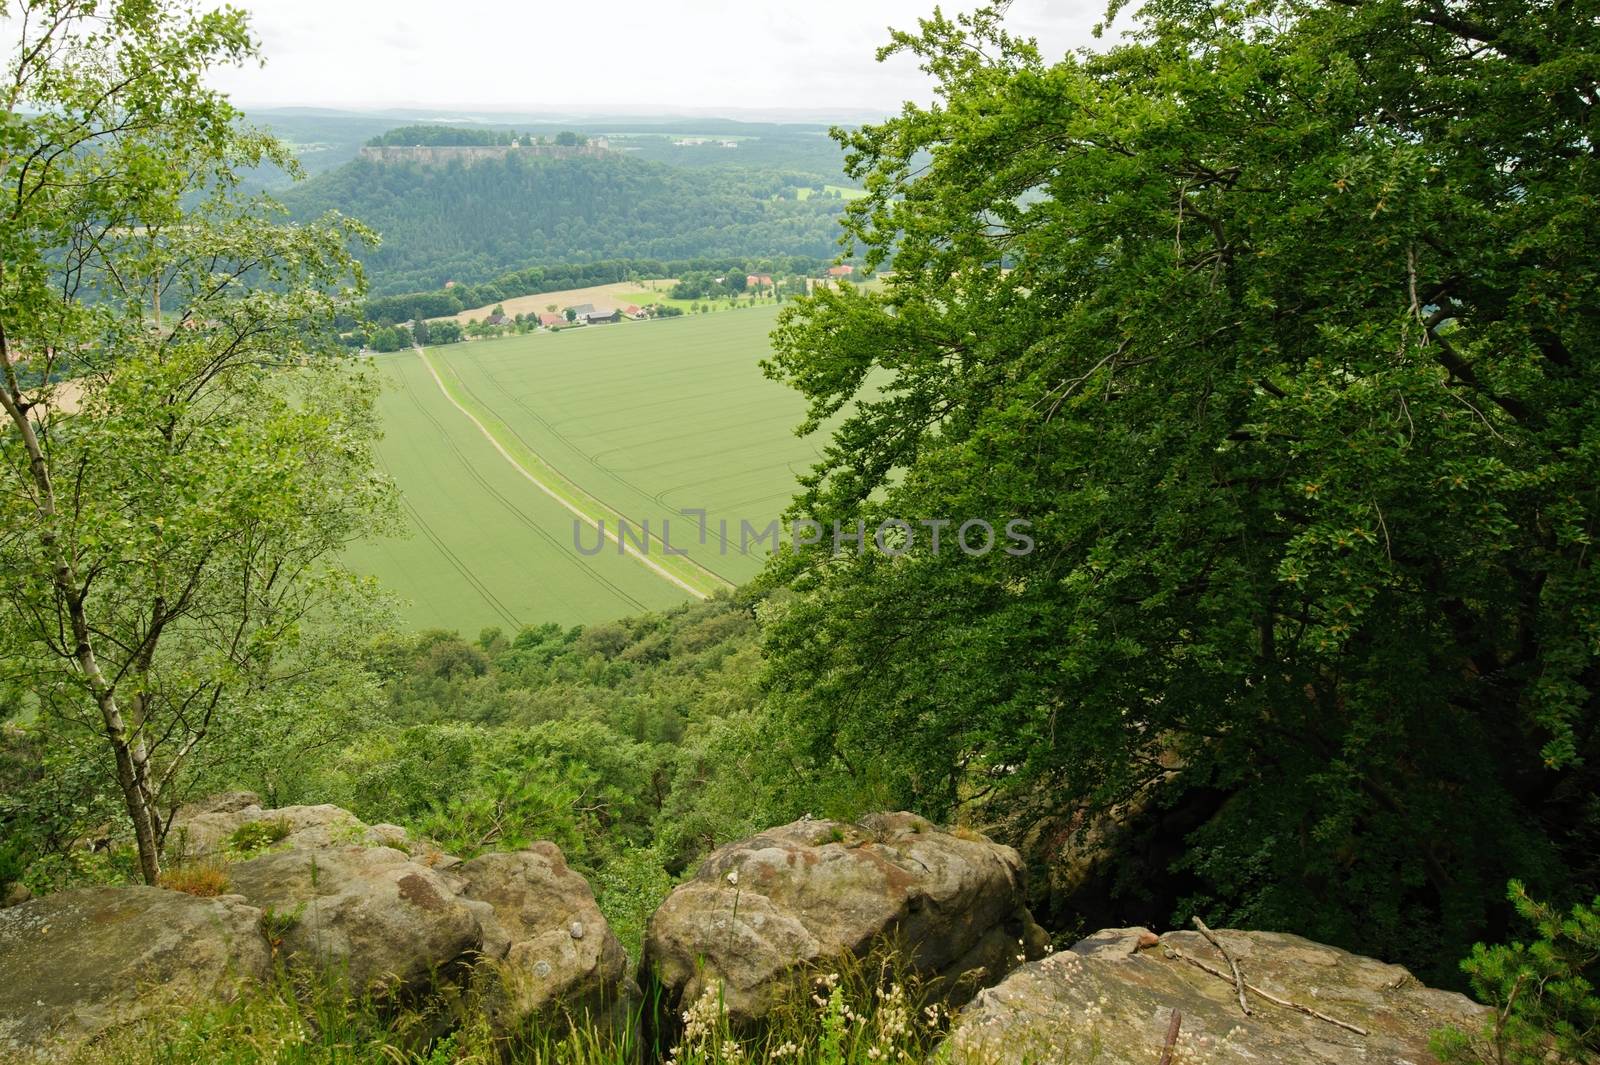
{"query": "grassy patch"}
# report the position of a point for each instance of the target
(202, 879)
(859, 1012)
(255, 836)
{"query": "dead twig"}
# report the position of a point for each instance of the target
(1274, 999)
(1238, 978)
(1172, 1038)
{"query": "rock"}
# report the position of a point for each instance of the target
(368, 914)
(235, 823)
(548, 952)
(238, 824)
(1111, 999)
(15, 895)
(78, 962)
(760, 910)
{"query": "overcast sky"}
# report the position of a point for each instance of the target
(640, 55)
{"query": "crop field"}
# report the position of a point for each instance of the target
(499, 446)
(484, 546)
(615, 294)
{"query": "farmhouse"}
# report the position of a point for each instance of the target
(497, 319)
(758, 281)
(844, 270)
(551, 320)
(636, 313)
(589, 314)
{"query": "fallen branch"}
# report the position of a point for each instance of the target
(1238, 979)
(1172, 1038)
(1274, 999)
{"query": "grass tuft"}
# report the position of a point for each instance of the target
(203, 879)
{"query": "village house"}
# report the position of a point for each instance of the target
(758, 281)
(844, 270)
(636, 313)
(589, 314)
(551, 320)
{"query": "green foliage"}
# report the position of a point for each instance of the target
(1546, 1008)
(629, 887)
(254, 836)
(445, 332)
(390, 338)
(1278, 322)
(853, 1013)
(475, 222)
(168, 570)
(432, 135)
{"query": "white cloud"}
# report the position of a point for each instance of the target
(640, 55)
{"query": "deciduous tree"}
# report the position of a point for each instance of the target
(183, 449)
(1279, 320)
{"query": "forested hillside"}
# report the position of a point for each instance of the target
(466, 223)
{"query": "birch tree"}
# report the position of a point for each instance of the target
(183, 451)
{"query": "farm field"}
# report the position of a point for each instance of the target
(609, 295)
(485, 546)
(844, 192)
(617, 294)
(638, 420)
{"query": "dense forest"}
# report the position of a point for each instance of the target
(471, 223)
(1278, 322)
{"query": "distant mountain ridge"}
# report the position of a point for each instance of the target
(443, 154)
(471, 213)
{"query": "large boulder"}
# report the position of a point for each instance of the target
(236, 824)
(547, 953)
(1111, 1000)
(78, 962)
(760, 911)
(371, 915)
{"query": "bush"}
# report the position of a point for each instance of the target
(254, 836)
(1546, 1011)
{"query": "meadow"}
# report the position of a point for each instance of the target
(637, 420)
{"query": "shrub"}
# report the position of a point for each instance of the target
(1546, 1011)
(255, 836)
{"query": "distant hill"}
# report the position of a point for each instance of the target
(465, 220)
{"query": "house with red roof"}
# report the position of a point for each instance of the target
(551, 320)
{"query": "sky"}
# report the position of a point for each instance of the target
(640, 56)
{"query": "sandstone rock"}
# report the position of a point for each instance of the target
(78, 962)
(371, 915)
(209, 828)
(548, 952)
(1111, 999)
(761, 909)
(15, 895)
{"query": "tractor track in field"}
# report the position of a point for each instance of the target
(489, 598)
(500, 388)
(615, 535)
(505, 502)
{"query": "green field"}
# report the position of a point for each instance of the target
(844, 192)
(636, 420)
